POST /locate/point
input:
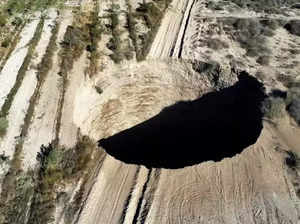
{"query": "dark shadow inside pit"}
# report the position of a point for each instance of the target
(217, 125)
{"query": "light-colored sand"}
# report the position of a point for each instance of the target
(43, 127)
(113, 183)
(20, 103)
(136, 195)
(249, 188)
(10, 70)
(68, 129)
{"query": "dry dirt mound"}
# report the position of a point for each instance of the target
(138, 91)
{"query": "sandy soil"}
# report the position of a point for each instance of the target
(10, 70)
(43, 130)
(68, 129)
(204, 25)
(114, 187)
(248, 188)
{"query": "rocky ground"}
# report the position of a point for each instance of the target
(157, 111)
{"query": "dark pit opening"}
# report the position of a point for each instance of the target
(217, 125)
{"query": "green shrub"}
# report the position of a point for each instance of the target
(293, 101)
(98, 90)
(294, 110)
(17, 21)
(292, 160)
(263, 60)
(251, 33)
(3, 20)
(216, 44)
(273, 107)
(5, 43)
(3, 126)
(293, 27)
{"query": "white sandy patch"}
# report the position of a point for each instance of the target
(68, 129)
(20, 103)
(136, 195)
(85, 100)
(10, 70)
(43, 127)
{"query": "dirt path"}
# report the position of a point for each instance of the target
(113, 184)
(42, 130)
(249, 188)
(68, 129)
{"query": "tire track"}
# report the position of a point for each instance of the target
(90, 186)
(149, 196)
(128, 200)
(139, 206)
(182, 208)
(185, 29)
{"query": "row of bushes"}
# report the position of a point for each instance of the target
(59, 166)
(151, 13)
(275, 105)
(268, 6)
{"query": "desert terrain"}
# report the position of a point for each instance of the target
(149, 111)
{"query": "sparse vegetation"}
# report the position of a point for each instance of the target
(98, 90)
(33, 194)
(263, 60)
(293, 27)
(293, 101)
(72, 47)
(150, 14)
(21, 74)
(270, 6)
(114, 43)
(3, 20)
(294, 109)
(273, 107)
(216, 44)
(95, 30)
(16, 6)
(291, 160)
(3, 126)
(60, 166)
(251, 34)
(5, 43)
(13, 199)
